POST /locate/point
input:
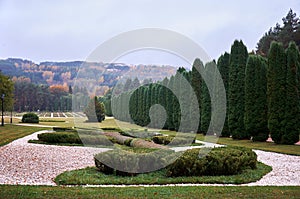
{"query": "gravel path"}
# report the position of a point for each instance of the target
(33, 164)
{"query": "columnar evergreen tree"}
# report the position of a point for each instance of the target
(95, 111)
(207, 86)
(276, 85)
(256, 123)
(176, 101)
(196, 82)
(223, 66)
(238, 59)
(292, 108)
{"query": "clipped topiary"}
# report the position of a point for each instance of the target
(30, 118)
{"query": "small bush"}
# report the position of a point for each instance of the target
(219, 161)
(60, 137)
(30, 118)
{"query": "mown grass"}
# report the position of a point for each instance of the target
(266, 146)
(92, 176)
(10, 191)
(10, 132)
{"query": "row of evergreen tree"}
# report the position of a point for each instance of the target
(262, 97)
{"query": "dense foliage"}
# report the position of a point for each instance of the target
(223, 67)
(30, 118)
(255, 117)
(6, 88)
(290, 31)
(238, 59)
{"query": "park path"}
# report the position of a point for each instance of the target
(34, 164)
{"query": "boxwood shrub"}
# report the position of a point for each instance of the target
(128, 163)
(219, 161)
(30, 118)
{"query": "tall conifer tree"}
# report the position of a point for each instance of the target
(276, 85)
(256, 123)
(238, 59)
(292, 110)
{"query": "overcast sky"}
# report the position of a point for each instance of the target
(59, 30)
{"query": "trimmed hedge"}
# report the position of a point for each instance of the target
(127, 163)
(30, 118)
(178, 140)
(219, 161)
(60, 137)
(73, 138)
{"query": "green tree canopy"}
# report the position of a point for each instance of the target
(6, 88)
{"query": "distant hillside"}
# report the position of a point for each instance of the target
(52, 73)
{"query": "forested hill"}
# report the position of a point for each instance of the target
(53, 73)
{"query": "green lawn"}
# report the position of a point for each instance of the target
(9, 132)
(150, 192)
(266, 146)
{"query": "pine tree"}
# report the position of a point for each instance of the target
(196, 82)
(256, 123)
(292, 110)
(276, 85)
(238, 59)
(223, 66)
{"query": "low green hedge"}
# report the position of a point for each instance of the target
(219, 161)
(74, 138)
(127, 163)
(178, 140)
(60, 137)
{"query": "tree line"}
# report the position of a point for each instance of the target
(262, 96)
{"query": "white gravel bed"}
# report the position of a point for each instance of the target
(35, 164)
(286, 169)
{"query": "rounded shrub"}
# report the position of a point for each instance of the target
(30, 118)
(219, 161)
